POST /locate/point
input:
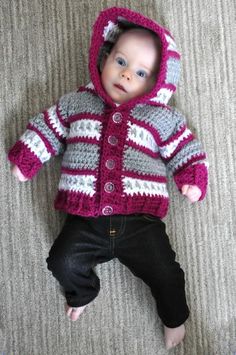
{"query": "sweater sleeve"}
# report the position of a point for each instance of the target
(45, 136)
(183, 155)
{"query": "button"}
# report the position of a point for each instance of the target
(107, 210)
(117, 117)
(113, 140)
(110, 164)
(109, 187)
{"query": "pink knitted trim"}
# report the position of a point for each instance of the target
(179, 147)
(157, 206)
(83, 89)
(82, 140)
(77, 171)
(148, 177)
(168, 33)
(169, 87)
(26, 160)
(135, 17)
(143, 149)
(174, 137)
(90, 116)
(173, 54)
(75, 203)
(45, 141)
(148, 127)
(61, 118)
(158, 104)
(50, 126)
(193, 159)
(195, 174)
(83, 205)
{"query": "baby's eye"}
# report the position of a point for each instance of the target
(121, 61)
(142, 73)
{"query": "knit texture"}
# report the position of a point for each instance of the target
(116, 158)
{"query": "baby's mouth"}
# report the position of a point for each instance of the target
(120, 87)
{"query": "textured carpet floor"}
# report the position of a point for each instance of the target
(44, 54)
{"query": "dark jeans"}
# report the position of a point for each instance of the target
(138, 241)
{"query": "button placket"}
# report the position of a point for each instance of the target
(107, 210)
(113, 140)
(110, 163)
(109, 187)
(117, 117)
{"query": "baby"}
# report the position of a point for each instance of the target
(119, 138)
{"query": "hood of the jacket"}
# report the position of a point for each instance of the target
(106, 30)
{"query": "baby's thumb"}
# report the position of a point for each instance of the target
(18, 174)
(185, 189)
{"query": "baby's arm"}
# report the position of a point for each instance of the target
(185, 159)
(44, 137)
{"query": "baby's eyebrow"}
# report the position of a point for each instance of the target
(144, 66)
(117, 51)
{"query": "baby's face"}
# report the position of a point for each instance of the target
(130, 69)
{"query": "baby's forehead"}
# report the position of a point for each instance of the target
(137, 34)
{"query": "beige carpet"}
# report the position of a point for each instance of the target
(44, 54)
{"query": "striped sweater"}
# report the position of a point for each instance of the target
(116, 159)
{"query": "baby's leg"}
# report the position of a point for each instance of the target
(72, 258)
(147, 252)
(74, 312)
(173, 336)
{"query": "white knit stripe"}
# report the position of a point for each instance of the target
(171, 44)
(90, 85)
(36, 145)
(55, 122)
(133, 186)
(86, 128)
(168, 149)
(78, 183)
(163, 96)
(141, 136)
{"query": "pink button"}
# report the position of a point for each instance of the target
(110, 164)
(109, 187)
(113, 140)
(117, 117)
(107, 210)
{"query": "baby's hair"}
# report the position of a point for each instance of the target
(124, 28)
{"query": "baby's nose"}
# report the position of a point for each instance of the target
(126, 75)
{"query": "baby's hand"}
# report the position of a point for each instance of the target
(192, 192)
(18, 174)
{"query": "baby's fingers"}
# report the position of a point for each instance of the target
(185, 189)
(193, 196)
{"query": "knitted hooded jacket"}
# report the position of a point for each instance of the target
(116, 158)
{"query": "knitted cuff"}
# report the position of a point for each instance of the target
(196, 174)
(26, 161)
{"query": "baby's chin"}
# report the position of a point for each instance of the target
(120, 101)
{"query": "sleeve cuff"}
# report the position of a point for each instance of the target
(196, 174)
(26, 161)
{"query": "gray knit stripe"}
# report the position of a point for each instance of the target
(149, 114)
(173, 71)
(80, 102)
(81, 156)
(39, 123)
(166, 122)
(140, 162)
(190, 150)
